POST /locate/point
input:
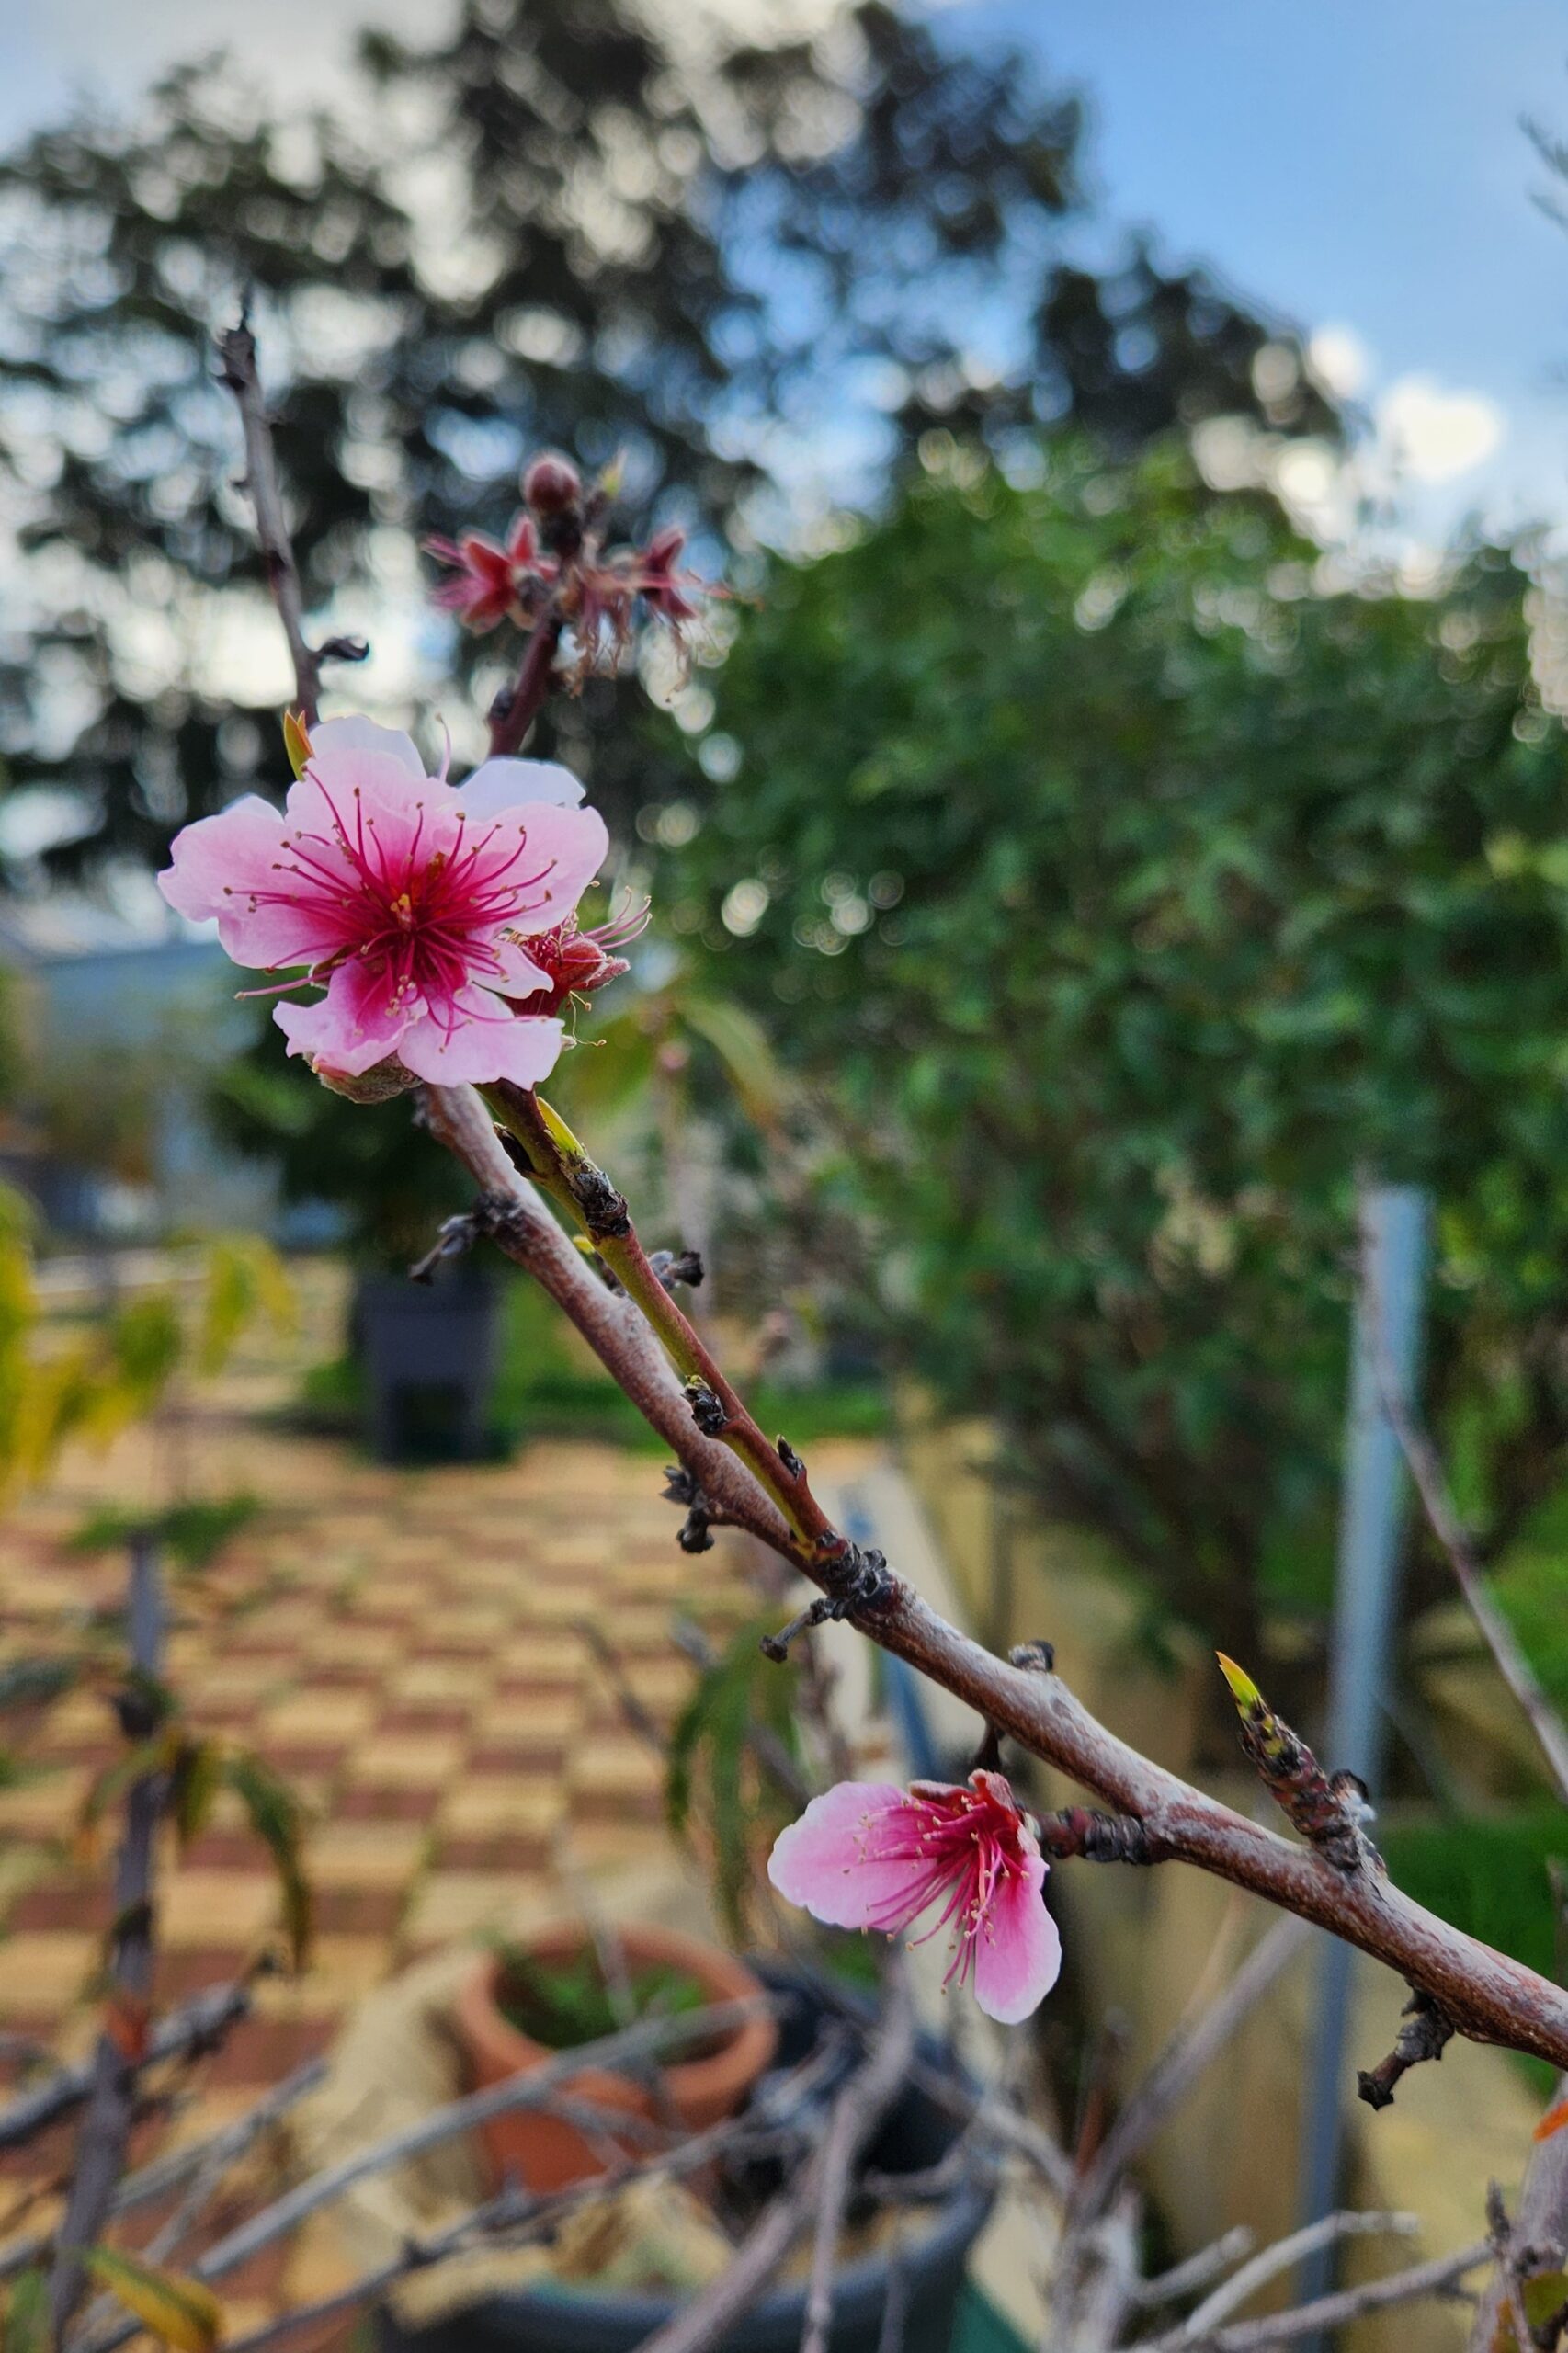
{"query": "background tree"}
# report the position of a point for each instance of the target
(558, 225)
(1120, 902)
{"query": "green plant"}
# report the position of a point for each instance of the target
(192, 1533)
(565, 2004)
(1120, 902)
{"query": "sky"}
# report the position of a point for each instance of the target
(1358, 165)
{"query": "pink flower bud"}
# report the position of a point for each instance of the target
(553, 486)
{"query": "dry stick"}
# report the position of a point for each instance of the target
(1190, 2050)
(236, 350)
(1282, 2255)
(111, 2104)
(516, 2216)
(1426, 1474)
(1185, 2278)
(1489, 1997)
(173, 2170)
(198, 2025)
(856, 2114)
(1440, 2277)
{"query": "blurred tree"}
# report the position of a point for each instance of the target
(1123, 899)
(557, 225)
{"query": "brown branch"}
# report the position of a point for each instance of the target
(1536, 2240)
(516, 707)
(237, 373)
(1489, 1997)
(1442, 1518)
(198, 2026)
(1424, 2034)
(105, 2131)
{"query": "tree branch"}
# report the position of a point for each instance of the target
(1488, 1997)
(237, 373)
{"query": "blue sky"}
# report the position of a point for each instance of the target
(1357, 163)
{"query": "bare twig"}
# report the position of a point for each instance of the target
(706, 2319)
(516, 707)
(1284, 2254)
(1187, 2279)
(1488, 1997)
(856, 2114)
(237, 373)
(1441, 2277)
(1442, 1518)
(198, 2026)
(111, 2103)
(1193, 2047)
(1537, 2237)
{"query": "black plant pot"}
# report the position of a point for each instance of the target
(428, 1354)
(915, 2135)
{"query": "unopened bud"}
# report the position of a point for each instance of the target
(553, 486)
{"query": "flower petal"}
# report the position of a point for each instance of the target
(354, 1027)
(330, 737)
(505, 783)
(819, 1862)
(220, 861)
(564, 849)
(479, 1038)
(1017, 1954)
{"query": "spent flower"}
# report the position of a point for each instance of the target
(869, 1855)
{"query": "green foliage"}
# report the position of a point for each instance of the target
(624, 286)
(1123, 893)
(711, 1777)
(193, 1533)
(277, 1818)
(562, 2004)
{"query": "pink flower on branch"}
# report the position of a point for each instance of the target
(409, 900)
(576, 963)
(490, 583)
(868, 1855)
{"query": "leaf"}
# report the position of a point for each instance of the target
(1543, 2295)
(1552, 2121)
(178, 2310)
(26, 2327)
(1243, 1690)
(277, 1818)
(113, 1783)
(245, 1280)
(198, 1777)
(296, 741)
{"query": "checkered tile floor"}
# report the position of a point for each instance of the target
(405, 1646)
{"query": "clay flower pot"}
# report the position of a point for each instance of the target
(546, 2152)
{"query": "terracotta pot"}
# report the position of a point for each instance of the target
(546, 2151)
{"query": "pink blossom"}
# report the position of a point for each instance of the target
(489, 582)
(409, 899)
(868, 1855)
(577, 962)
(669, 593)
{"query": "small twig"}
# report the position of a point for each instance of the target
(1187, 2279)
(1425, 2035)
(1191, 2049)
(1427, 1476)
(711, 2315)
(516, 707)
(856, 2113)
(196, 2027)
(1284, 2254)
(237, 373)
(1441, 2277)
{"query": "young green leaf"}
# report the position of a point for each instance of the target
(178, 2311)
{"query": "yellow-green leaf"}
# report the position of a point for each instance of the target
(178, 2312)
(1243, 1690)
(25, 2326)
(296, 743)
(1543, 2295)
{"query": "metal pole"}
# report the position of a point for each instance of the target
(1394, 1222)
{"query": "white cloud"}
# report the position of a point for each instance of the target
(1434, 436)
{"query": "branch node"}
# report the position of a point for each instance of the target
(674, 1267)
(791, 1460)
(1329, 1813)
(1425, 2036)
(454, 1235)
(708, 1409)
(1035, 1658)
(1084, 1834)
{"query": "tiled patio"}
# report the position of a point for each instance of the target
(404, 1646)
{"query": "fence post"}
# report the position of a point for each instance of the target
(1393, 1223)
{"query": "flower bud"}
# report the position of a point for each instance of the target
(553, 486)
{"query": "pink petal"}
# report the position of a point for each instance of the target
(1017, 1954)
(564, 848)
(819, 1863)
(477, 1038)
(518, 974)
(352, 1028)
(330, 737)
(218, 861)
(505, 784)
